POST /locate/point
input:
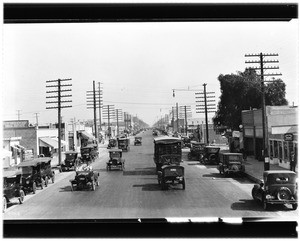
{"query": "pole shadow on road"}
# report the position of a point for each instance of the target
(66, 189)
(141, 171)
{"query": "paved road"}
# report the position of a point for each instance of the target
(135, 193)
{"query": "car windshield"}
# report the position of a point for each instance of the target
(234, 158)
(70, 156)
(26, 170)
(10, 181)
(281, 178)
(169, 149)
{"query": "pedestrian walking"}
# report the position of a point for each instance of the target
(292, 161)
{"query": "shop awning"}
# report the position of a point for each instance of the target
(284, 129)
(50, 142)
(86, 135)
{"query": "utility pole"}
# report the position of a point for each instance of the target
(173, 119)
(208, 108)
(36, 119)
(119, 117)
(18, 114)
(92, 104)
(100, 92)
(177, 117)
(108, 113)
(261, 68)
(185, 113)
(59, 89)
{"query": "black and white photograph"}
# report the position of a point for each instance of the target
(154, 114)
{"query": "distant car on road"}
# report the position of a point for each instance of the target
(277, 187)
(115, 159)
(138, 140)
(231, 163)
(70, 161)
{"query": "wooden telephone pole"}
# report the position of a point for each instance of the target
(262, 68)
(58, 90)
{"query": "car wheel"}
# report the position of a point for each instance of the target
(22, 195)
(183, 184)
(4, 204)
(253, 194)
(93, 186)
(53, 178)
(295, 206)
(33, 187)
(98, 183)
(46, 181)
(266, 205)
(42, 183)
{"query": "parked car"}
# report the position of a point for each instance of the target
(36, 172)
(85, 178)
(70, 161)
(123, 143)
(166, 145)
(12, 188)
(89, 152)
(171, 174)
(112, 143)
(196, 150)
(137, 140)
(231, 163)
(115, 159)
(277, 187)
(211, 155)
(186, 141)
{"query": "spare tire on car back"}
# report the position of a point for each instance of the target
(284, 193)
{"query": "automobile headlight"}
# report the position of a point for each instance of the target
(27, 182)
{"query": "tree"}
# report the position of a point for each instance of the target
(242, 91)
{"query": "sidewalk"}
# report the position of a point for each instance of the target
(254, 169)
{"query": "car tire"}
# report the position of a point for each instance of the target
(93, 186)
(4, 204)
(46, 181)
(33, 187)
(22, 195)
(53, 178)
(266, 206)
(295, 206)
(183, 184)
(42, 183)
(253, 194)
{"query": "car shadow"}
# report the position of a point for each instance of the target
(66, 189)
(253, 205)
(215, 175)
(141, 171)
(148, 187)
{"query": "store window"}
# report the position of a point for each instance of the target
(276, 149)
(280, 150)
(271, 149)
(285, 151)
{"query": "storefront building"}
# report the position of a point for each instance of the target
(281, 121)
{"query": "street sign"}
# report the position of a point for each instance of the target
(288, 137)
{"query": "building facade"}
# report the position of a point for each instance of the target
(280, 120)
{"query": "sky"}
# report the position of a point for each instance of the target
(138, 64)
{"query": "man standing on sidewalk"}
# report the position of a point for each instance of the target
(292, 161)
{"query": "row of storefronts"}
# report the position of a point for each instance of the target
(281, 122)
(22, 141)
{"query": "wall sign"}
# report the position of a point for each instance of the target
(288, 137)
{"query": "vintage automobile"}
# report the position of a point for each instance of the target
(85, 178)
(166, 145)
(36, 172)
(70, 161)
(186, 141)
(89, 152)
(112, 143)
(171, 174)
(12, 188)
(211, 155)
(277, 187)
(115, 159)
(231, 163)
(137, 140)
(196, 150)
(123, 143)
